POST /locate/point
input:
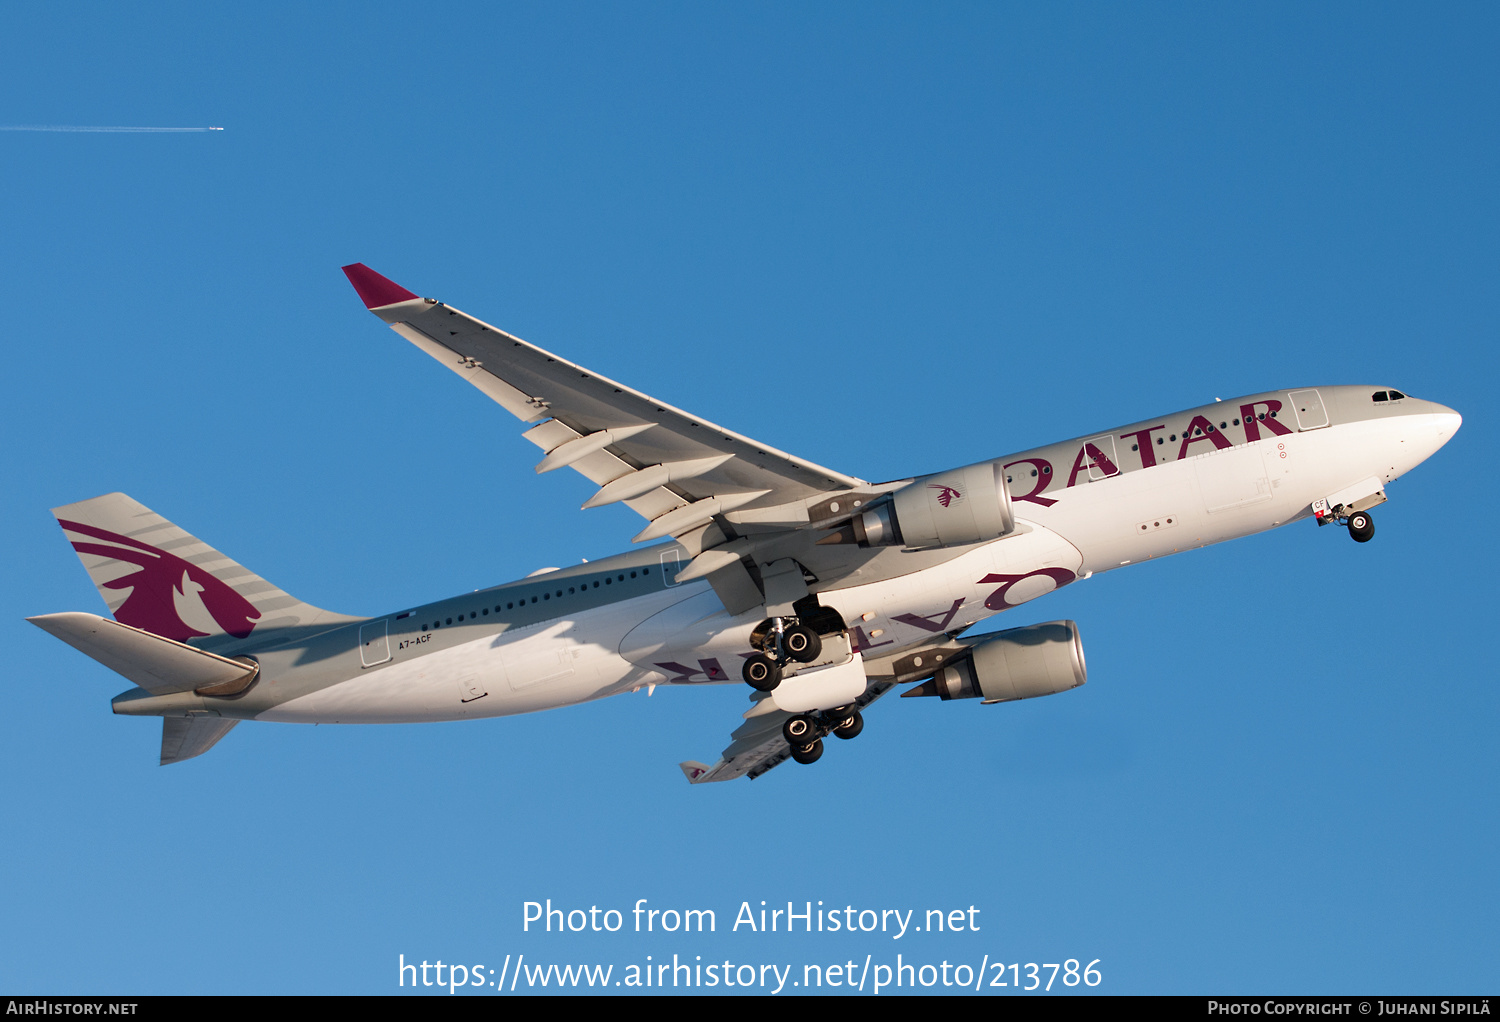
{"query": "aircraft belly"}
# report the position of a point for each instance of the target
(1225, 494)
(695, 641)
(696, 628)
(989, 580)
(551, 664)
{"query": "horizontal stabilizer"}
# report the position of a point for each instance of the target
(156, 664)
(185, 737)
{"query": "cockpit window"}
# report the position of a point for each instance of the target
(1379, 395)
(1396, 395)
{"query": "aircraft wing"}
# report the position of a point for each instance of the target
(757, 744)
(676, 470)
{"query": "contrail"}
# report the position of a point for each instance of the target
(97, 128)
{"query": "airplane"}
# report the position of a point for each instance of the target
(819, 591)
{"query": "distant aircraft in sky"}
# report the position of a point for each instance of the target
(820, 591)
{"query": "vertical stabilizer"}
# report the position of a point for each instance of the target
(157, 577)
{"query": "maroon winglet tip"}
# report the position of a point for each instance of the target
(375, 290)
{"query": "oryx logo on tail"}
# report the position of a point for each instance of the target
(168, 596)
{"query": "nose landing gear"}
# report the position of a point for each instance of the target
(1361, 526)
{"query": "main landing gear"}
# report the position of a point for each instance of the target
(784, 642)
(805, 732)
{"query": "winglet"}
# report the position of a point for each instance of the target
(374, 290)
(694, 771)
(701, 773)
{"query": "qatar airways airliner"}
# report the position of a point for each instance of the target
(818, 591)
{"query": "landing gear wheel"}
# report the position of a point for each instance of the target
(799, 731)
(762, 673)
(802, 644)
(850, 726)
(808, 753)
(1361, 527)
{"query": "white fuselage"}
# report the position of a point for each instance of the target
(682, 635)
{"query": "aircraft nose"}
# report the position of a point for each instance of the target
(1440, 423)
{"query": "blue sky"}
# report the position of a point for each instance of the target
(890, 239)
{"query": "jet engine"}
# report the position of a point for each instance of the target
(1017, 664)
(965, 505)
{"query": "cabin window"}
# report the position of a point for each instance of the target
(632, 574)
(510, 606)
(450, 620)
(1135, 447)
(485, 612)
(647, 571)
(1046, 470)
(424, 628)
(606, 582)
(1159, 441)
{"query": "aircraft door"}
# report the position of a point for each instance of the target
(1310, 411)
(671, 564)
(374, 645)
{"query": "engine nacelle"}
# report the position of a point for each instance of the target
(1021, 663)
(966, 505)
